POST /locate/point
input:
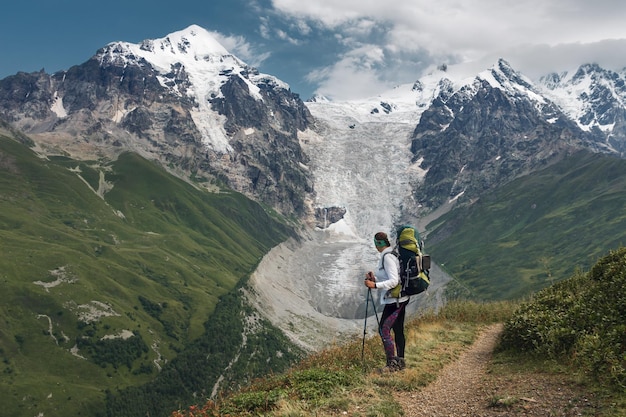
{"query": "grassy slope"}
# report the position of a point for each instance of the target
(338, 381)
(536, 230)
(158, 271)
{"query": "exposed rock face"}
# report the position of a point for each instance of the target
(594, 98)
(265, 141)
(119, 102)
(240, 127)
(325, 216)
(483, 135)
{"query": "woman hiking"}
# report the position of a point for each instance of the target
(386, 278)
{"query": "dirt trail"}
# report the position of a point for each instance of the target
(467, 388)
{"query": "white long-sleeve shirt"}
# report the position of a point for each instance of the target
(388, 277)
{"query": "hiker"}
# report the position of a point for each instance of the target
(385, 279)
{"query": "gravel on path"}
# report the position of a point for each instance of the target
(466, 387)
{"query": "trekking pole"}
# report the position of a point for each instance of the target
(374, 305)
(368, 297)
(367, 301)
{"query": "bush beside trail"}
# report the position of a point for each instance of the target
(582, 319)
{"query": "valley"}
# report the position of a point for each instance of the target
(203, 208)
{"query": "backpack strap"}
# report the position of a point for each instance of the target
(383, 261)
(389, 292)
(392, 252)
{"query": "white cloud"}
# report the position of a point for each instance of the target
(537, 35)
(284, 36)
(362, 27)
(264, 28)
(354, 75)
(242, 49)
(345, 81)
(537, 60)
(302, 27)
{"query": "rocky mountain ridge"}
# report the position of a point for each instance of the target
(484, 134)
(210, 118)
(182, 100)
(475, 134)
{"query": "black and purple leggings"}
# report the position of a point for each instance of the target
(393, 318)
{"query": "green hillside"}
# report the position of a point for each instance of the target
(123, 287)
(535, 230)
(570, 333)
(109, 271)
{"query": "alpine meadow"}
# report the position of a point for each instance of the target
(101, 301)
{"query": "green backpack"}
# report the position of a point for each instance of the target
(414, 266)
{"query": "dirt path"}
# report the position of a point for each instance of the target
(467, 388)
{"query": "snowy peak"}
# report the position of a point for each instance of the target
(192, 55)
(189, 62)
(183, 100)
(592, 96)
(193, 47)
(504, 77)
(443, 85)
(317, 98)
(192, 64)
(193, 40)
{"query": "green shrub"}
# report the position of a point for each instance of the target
(582, 319)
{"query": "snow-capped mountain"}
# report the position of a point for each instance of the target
(593, 97)
(192, 65)
(483, 132)
(475, 133)
(183, 100)
(188, 102)
(358, 167)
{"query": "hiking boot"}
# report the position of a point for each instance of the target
(392, 366)
(400, 362)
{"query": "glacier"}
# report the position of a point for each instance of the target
(361, 161)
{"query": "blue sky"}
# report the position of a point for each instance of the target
(339, 48)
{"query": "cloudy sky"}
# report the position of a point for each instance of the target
(338, 48)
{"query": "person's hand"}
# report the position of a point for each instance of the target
(370, 284)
